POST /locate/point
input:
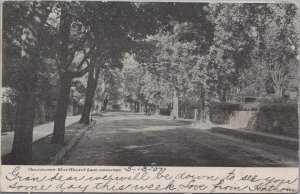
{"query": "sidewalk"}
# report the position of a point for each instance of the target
(38, 133)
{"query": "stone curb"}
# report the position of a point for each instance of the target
(63, 151)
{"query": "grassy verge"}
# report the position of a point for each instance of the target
(257, 138)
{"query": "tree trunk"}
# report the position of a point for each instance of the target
(152, 109)
(61, 109)
(141, 106)
(22, 144)
(136, 107)
(222, 95)
(203, 118)
(157, 109)
(146, 108)
(74, 108)
(182, 112)
(25, 111)
(90, 93)
(175, 110)
(131, 106)
(196, 115)
(278, 91)
(204, 115)
(97, 108)
(104, 104)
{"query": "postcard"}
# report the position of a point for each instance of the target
(150, 97)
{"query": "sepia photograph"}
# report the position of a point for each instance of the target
(175, 84)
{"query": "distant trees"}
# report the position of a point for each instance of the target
(202, 69)
(132, 82)
(104, 89)
(275, 53)
(174, 60)
(163, 69)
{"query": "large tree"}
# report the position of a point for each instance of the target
(26, 34)
(73, 56)
(107, 16)
(174, 56)
(274, 56)
(217, 72)
(187, 36)
(133, 81)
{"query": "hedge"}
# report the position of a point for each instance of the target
(282, 107)
(278, 107)
(226, 106)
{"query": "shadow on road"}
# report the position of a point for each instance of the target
(138, 140)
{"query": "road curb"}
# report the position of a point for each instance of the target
(71, 143)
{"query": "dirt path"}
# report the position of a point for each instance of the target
(131, 139)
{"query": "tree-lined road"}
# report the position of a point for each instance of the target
(121, 138)
(149, 56)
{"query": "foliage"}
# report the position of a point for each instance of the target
(226, 106)
(275, 55)
(115, 106)
(280, 107)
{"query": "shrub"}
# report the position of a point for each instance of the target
(278, 118)
(280, 107)
(226, 106)
(8, 113)
(115, 107)
(220, 113)
(165, 111)
(250, 106)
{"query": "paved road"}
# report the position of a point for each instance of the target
(132, 139)
(38, 133)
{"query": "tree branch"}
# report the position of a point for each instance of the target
(81, 72)
(52, 27)
(86, 56)
(71, 57)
